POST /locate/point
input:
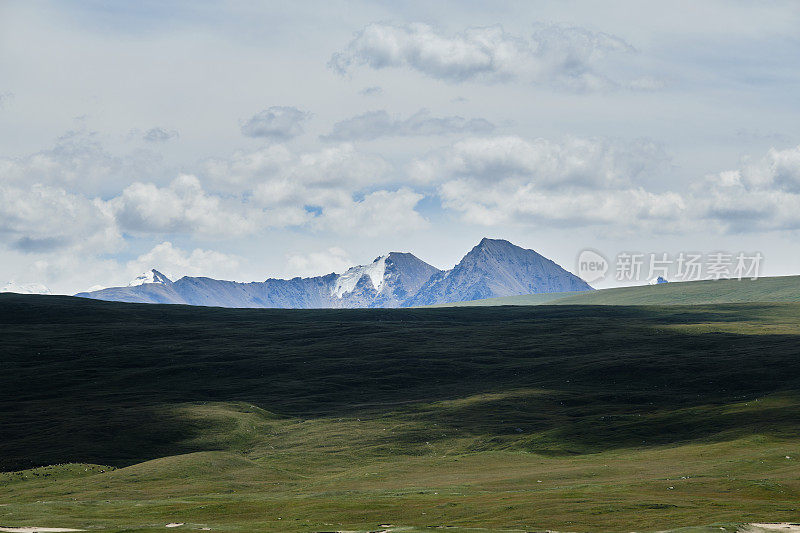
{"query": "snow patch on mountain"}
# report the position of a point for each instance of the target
(25, 288)
(346, 282)
(152, 276)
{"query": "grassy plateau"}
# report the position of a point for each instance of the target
(129, 417)
(724, 291)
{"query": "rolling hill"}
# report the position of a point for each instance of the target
(128, 417)
(771, 289)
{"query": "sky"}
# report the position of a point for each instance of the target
(247, 140)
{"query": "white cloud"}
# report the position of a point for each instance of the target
(522, 203)
(570, 57)
(176, 263)
(374, 90)
(374, 124)
(297, 188)
(42, 219)
(545, 163)
(278, 123)
(159, 135)
(79, 162)
(270, 188)
(378, 213)
(575, 182)
(319, 263)
(182, 207)
(340, 166)
(762, 195)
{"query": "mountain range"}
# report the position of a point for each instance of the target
(491, 269)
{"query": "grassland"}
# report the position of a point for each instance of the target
(125, 417)
(764, 290)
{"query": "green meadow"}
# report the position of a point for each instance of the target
(127, 417)
(724, 291)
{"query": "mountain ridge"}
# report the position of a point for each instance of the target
(493, 268)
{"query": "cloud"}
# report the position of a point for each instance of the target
(762, 195)
(279, 176)
(547, 164)
(5, 98)
(276, 123)
(378, 213)
(176, 263)
(79, 162)
(40, 244)
(575, 182)
(182, 207)
(41, 219)
(272, 187)
(159, 135)
(371, 91)
(333, 259)
(522, 203)
(569, 57)
(319, 189)
(646, 83)
(374, 124)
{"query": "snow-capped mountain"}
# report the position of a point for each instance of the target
(151, 276)
(497, 268)
(346, 283)
(25, 288)
(493, 268)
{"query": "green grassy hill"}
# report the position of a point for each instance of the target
(126, 417)
(775, 289)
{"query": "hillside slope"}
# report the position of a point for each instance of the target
(493, 268)
(767, 290)
(573, 418)
(496, 268)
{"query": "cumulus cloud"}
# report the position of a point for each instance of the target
(548, 164)
(279, 176)
(175, 262)
(41, 219)
(159, 135)
(500, 180)
(379, 213)
(182, 207)
(571, 57)
(318, 189)
(272, 187)
(510, 203)
(277, 123)
(762, 195)
(78, 162)
(374, 124)
(318, 263)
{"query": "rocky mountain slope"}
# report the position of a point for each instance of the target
(493, 268)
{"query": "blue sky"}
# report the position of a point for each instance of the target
(244, 140)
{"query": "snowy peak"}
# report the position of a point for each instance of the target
(25, 288)
(497, 268)
(151, 276)
(347, 282)
(497, 249)
(398, 279)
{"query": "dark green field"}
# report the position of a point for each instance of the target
(125, 417)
